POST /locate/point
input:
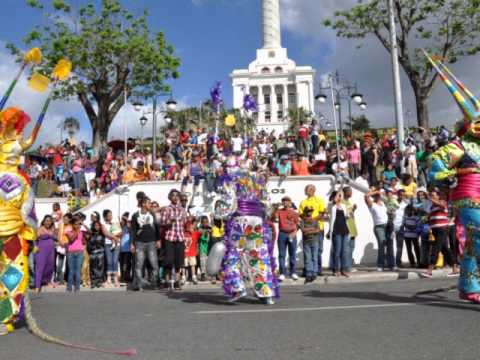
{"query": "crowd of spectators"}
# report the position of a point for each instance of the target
(405, 208)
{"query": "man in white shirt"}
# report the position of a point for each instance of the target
(237, 143)
(378, 209)
(397, 225)
(34, 173)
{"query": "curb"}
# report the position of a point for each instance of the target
(355, 278)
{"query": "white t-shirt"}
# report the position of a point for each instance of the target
(398, 220)
(379, 214)
(262, 148)
(202, 139)
(237, 143)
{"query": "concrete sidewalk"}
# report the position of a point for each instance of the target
(361, 275)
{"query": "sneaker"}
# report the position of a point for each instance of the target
(281, 277)
(294, 277)
(194, 281)
(308, 279)
(353, 270)
(425, 275)
(269, 301)
(379, 269)
(177, 285)
(453, 274)
(203, 277)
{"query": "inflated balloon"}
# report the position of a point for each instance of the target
(33, 56)
(39, 82)
(62, 70)
(230, 120)
(215, 258)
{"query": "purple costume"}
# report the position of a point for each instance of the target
(44, 260)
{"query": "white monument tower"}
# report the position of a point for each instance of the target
(275, 81)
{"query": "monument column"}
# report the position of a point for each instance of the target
(271, 24)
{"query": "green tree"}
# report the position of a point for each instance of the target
(297, 117)
(112, 52)
(446, 28)
(359, 123)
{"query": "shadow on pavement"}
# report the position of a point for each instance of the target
(423, 300)
(207, 298)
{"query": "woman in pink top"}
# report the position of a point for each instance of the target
(354, 161)
(77, 170)
(75, 247)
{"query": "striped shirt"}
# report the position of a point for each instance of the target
(174, 218)
(439, 215)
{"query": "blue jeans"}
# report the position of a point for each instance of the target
(111, 255)
(74, 263)
(310, 251)
(77, 180)
(341, 244)
(320, 237)
(283, 245)
(384, 242)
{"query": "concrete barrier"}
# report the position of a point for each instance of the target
(124, 199)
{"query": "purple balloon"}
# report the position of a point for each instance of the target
(216, 95)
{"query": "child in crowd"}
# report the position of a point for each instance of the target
(191, 249)
(205, 234)
(126, 257)
(310, 230)
(411, 232)
(56, 214)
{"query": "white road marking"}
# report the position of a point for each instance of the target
(322, 308)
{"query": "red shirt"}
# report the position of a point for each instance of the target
(191, 247)
(288, 220)
(57, 159)
(303, 132)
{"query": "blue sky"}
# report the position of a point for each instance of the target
(213, 37)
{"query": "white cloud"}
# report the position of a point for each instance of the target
(369, 66)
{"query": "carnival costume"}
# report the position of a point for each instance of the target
(458, 164)
(247, 250)
(18, 222)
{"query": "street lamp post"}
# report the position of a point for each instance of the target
(171, 105)
(348, 93)
(143, 122)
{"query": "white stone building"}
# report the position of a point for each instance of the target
(275, 81)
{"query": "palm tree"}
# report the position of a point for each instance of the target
(296, 117)
(71, 125)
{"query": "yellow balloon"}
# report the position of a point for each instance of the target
(33, 56)
(39, 82)
(62, 69)
(230, 120)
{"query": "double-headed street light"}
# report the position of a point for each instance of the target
(349, 93)
(170, 106)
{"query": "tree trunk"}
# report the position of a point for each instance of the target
(421, 98)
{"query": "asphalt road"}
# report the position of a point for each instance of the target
(342, 322)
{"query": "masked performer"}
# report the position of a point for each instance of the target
(248, 243)
(17, 214)
(458, 164)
